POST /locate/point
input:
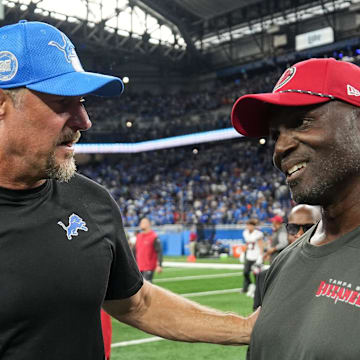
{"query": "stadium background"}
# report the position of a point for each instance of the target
(166, 148)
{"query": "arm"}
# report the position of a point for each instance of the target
(162, 313)
(283, 241)
(261, 246)
(158, 249)
(282, 244)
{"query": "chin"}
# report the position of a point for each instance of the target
(63, 170)
(306, 197)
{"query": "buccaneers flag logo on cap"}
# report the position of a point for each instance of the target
(285, 78)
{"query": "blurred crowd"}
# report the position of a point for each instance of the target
(145, 116)
(220, 183)
(225, 183)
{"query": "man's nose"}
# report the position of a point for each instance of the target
(79, 119)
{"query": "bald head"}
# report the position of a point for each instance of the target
(305, 215)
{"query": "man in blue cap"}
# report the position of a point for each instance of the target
(63, 251)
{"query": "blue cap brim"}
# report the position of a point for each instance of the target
(80, 83)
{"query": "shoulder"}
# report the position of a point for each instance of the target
(86, 183)
(80, 184)
(84, 190)
(286, 255)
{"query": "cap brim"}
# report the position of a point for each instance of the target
(249, 114)
(80, 83)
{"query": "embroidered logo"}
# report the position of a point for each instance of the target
(8, 65)
(285, 78)
(339, 291)
(352, 91)
(75, 223)
(68, 49)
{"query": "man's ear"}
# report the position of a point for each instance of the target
(3, 100)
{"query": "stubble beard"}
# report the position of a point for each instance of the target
(331, 174)
(60, 171)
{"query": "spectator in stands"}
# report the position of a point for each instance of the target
(148, 250)
(253, 253)
(158, 189)
(278, 240)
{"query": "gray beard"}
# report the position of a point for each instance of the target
(62, 172)
(342, 164)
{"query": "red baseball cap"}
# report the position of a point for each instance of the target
(309, 82)
(277, 218)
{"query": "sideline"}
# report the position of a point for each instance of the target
(214, 292)
(136, 342)
(202, 265)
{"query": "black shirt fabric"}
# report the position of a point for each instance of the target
(311, 304)
(63, 252)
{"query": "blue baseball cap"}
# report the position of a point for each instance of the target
(39, 57)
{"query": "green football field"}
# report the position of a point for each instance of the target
(217, 288)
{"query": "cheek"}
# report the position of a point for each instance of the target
(34, 140)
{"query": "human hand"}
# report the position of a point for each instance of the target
(158, 269)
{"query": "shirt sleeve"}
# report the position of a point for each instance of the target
(125, 278)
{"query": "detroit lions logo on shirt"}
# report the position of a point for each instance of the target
(68, 49)
(76, 223)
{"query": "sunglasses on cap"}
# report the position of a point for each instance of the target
(293, 229)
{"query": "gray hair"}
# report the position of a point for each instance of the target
(14, 94)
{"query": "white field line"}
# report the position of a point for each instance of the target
(197, 277)
(136, 342)
(156, 338)
(215, 292)
(202, 265)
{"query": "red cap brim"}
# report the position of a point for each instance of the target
(249, 113)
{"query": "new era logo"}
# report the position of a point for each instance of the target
(352, 91)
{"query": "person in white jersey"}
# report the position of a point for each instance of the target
(254, 253)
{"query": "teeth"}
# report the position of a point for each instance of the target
(296, 167)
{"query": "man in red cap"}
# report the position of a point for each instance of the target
(279, 239)
(312, 291)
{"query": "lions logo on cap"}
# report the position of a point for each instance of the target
(68, 49)
(285, 78)
(8, 65)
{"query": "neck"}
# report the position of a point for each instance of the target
(340, 217)
(19, 183)
(18, 174)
